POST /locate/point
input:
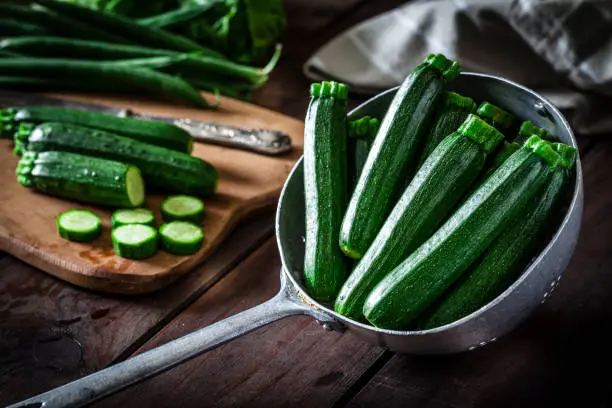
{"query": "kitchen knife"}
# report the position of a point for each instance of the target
(263, 141)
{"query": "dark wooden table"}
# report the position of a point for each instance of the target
(52, 333)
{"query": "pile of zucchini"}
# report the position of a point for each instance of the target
(425, 216)
(53, 45)
(106, 160)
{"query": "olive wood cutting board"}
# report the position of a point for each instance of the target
(247, 182)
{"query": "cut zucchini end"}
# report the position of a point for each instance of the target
(190, 145)
(79, 225)
(545, 150)
(527, 129)
(181, 237)
(480, 132)
(135, 187)
(495, 116)
(567, 153)
(453, 99)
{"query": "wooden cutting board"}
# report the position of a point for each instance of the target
(247, 182)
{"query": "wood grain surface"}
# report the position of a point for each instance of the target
(52, 333)
(247, 182)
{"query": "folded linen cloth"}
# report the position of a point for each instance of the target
(560, 48)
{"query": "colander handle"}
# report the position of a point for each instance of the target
(157, 360)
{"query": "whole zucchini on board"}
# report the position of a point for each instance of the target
(399, 299)
(82, 178)
(361, 133)
(157, 133)
(453, 109)
(393, 152)
(509, 254)
(438, 185)
(325, 188)
(497, 117)
(161, 168)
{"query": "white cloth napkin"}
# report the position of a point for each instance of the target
(560, 48)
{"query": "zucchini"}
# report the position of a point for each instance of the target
(79, 225)
(392, 152)
(438, 185)
(134, 241)
(82, 178)
(507, 149)
(181, 237)
(153, 132)
(452, 110)
(182, 208)
(132, 216)
(528, 129)
(361, 133)
(495, 116)
(325, 188)
(509, 254)
(402, 295)
(161, 168)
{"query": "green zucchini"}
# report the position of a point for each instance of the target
(528, 129)
(497, 117)
(134, 241)
(438, 185)
(361, 133)
(452, 110)
(325, 188)
(393, 152)
(161, 168)
(507, 149)
(148, 131)
(127, 216)
(181, 237)
(79, 225)
(82, 178)
(403, 294)
(509, 254)
(182, 208)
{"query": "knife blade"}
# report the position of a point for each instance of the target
(263, 141)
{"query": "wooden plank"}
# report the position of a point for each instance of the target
(558, 357)
(52, 333)
(293, 362)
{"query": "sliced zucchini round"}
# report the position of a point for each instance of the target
(128, 216)
(79, 225)
(181, 237)
(134, 241)
(182, 208)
